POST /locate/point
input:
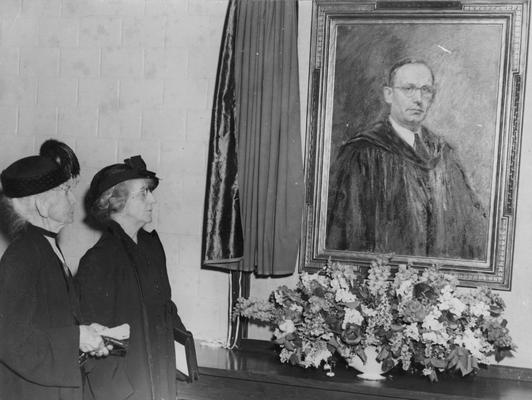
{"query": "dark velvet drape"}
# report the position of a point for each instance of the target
(222, 227)
(255, 176)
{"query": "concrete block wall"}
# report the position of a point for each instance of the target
(115, 78)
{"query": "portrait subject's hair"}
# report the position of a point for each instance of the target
(110, 202)
(401, 63)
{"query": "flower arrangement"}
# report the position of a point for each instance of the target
(416, 318)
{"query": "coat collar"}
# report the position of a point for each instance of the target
(383, 135)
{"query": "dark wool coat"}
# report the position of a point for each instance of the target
(39, 336)
(387, 197)
(123, 282)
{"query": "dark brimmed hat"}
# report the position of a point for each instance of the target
(37, 174)
(106, 178)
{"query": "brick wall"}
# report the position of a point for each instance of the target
(114, 78)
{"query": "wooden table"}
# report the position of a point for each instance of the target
(254, 372)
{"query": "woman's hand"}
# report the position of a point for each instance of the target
(90, 340)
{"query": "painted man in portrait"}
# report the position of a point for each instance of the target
(399, 187)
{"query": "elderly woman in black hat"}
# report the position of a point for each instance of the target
(39, 312)
(123, 279)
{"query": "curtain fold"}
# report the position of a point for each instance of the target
(266, 119)
(222, 227)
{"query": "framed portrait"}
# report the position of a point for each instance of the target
(413, 135)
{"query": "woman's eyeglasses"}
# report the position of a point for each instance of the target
(142, 193)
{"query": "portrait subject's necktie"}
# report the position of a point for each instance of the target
(420, 147)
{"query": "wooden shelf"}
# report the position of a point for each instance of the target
(255, 372)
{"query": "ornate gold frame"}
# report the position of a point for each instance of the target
(508, 19)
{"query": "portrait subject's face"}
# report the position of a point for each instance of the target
(410, 95)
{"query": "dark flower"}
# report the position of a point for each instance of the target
(352, 334)
(497, 333)
(414, 311)
(423, 291)
(318, 290)
(333, 321)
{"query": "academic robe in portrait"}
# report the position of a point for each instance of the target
(388, 197)
(39, 333)
(120, 281)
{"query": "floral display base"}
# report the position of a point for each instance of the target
(371, 376)
(371, 369)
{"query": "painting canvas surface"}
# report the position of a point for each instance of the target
(466, 59)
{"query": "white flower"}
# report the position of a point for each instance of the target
(454, 305)
(480, 309)
(345, 296)
(307, 278)
(474, 343)
(315, 356)
(451, 303)
(436, 332)
(405, 290)
(278, 297)
(436, 338)
(287, 326)
(447, 289)
(296, 307)
(352, 316)
(457, 307)
(432, 324)
(285, 355)
(369, 312)
(411, 331)
(339, 283)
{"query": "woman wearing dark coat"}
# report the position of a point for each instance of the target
(123, 279)
(39, 314)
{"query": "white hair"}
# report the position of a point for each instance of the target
(17, 212)
(14, 214)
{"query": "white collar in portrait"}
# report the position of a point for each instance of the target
(406, 134)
